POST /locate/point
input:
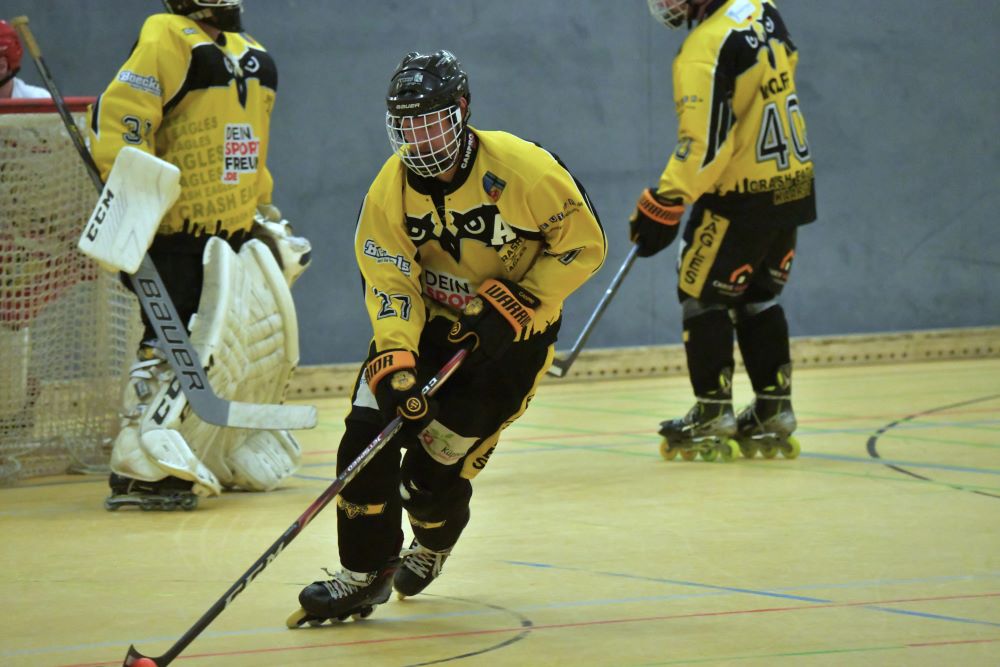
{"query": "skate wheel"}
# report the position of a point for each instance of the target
(110, 506)
(297, 618)
(666, 452)
(768, 451)
(689, 454)
(364, 612)
(189, 503)
(748, 449)
(709, 454)
(400, 596)
(792, 449)
(729, 450)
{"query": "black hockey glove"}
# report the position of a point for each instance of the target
(392, 377)
(491, 321)
(654, 223)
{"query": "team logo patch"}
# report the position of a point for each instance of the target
(493, 185)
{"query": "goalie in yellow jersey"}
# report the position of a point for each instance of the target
(743, 165)
(465, 237)
(198, 92)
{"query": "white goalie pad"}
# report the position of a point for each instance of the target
(263, 459)
(141, 188)
(158, 453)
(247, 331)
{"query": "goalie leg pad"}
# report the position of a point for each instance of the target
(169, 450)
(247, 331)
(264, 459)
(153, 403)
(157, 454)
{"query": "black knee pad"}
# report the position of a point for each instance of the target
(429, 491)
(432, 504)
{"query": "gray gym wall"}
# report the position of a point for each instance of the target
(901, 99)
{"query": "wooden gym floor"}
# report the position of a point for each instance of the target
(880, 545)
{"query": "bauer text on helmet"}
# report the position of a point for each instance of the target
(424, 118)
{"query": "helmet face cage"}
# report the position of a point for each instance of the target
(427, 143)
(226, 15)
(671, 13)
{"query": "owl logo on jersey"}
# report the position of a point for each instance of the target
(482, 224)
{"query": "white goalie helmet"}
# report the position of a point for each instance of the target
(671, 13)
(424, 116)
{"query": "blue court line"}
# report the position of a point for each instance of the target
(712, 591)
(548, 446)
(897, 462)
(769, 594)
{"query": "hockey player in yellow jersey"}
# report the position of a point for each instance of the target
(198, 92)
(742, 163)
(466, 237)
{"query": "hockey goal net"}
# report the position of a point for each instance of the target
(68, 330)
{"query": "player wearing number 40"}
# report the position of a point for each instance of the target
(743, 165)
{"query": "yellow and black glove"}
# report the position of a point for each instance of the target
(392, 377)
(491, 321)
(654, 223)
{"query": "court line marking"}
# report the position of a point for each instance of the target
(552, 626)
(872, 444)
(704, 591)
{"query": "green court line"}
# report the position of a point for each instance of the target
(907, 435)
(780, 466)
(788, 654)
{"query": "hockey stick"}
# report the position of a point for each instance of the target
(146, 282)
(560, 367)
(353, 468)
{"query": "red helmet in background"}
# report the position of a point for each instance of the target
(10, 47)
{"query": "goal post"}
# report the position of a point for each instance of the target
(68, 330)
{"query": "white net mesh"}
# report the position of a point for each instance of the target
(68, 330)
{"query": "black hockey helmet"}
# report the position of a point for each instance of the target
(424, 117)
(226, 15)
(424, 83)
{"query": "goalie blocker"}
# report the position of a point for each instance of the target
(247, 328)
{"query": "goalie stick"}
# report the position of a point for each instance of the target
(148, 286)
(352, 469)
(560, 367)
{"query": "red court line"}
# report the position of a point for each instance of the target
(581, 624)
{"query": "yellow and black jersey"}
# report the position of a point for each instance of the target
(742, 147)
(511, 211)
(202, 105)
